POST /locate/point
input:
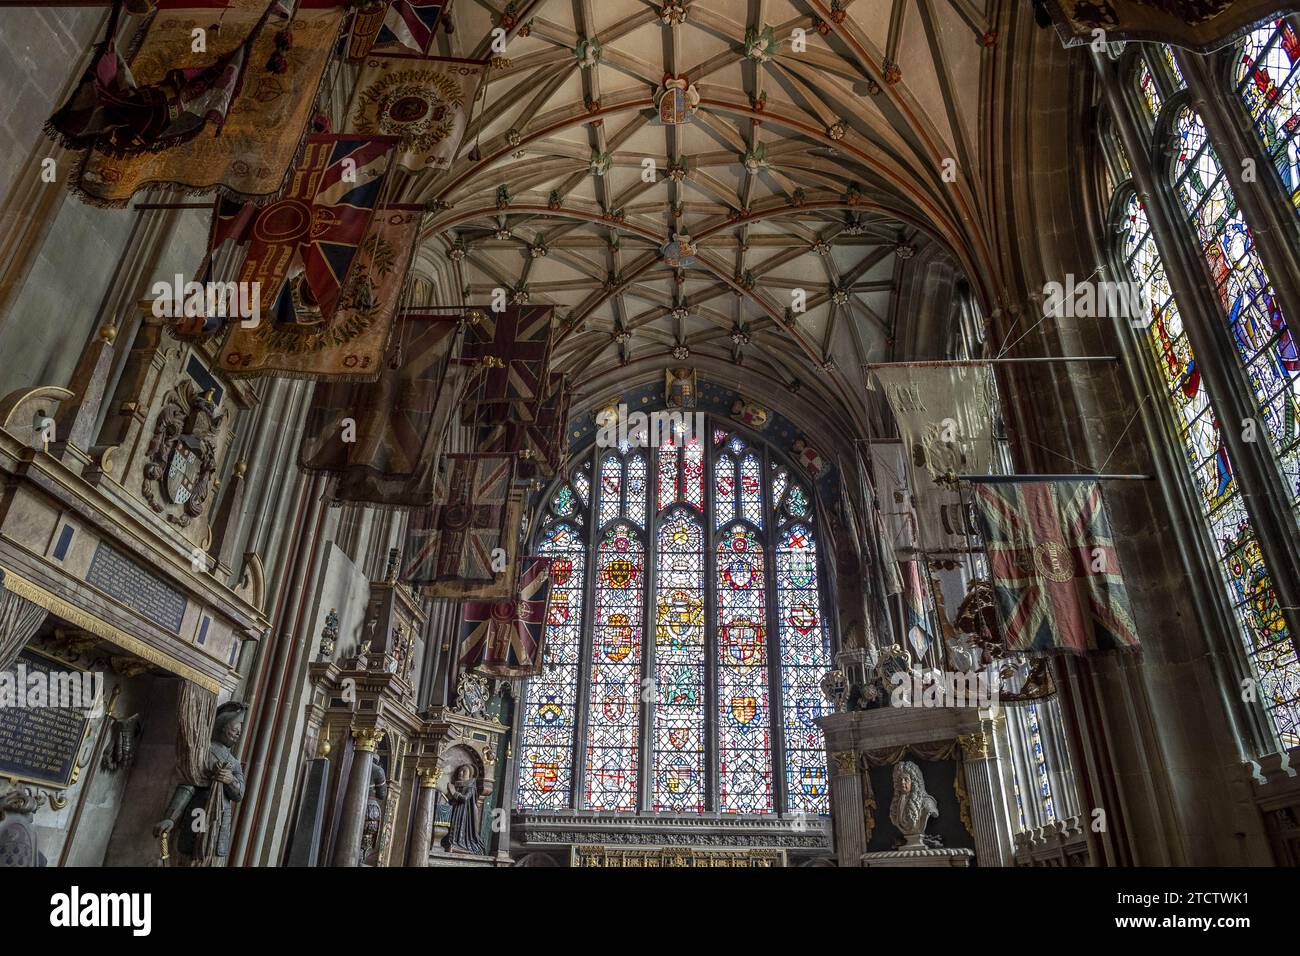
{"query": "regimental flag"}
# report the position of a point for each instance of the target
(1055, 571)
(467, 545)
(917, 619)
(351, 345)
(109, 112)
(398, 423)
(540, 444)
(945, 414)
(409, 25)
(1202, 26)
(251, 155)
(425, 100)
(511, 351)
(302, 247)
(504, 638)
(366, 22)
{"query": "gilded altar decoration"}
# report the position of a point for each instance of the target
(182, 454)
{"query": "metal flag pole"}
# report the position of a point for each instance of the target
(993, 479)
(1033, 360)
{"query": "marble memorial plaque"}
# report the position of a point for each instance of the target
(40, 744)
(119, 576)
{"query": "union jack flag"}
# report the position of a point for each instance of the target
(301, 247)
(540, 443)
(476, 515)
(1055, 571)
(504, 638)
(409, 24)
(512, 350)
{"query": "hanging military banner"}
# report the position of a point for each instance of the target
(424, 100)
(250, 155)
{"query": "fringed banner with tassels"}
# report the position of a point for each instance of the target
(388, 454)
(113, 114)
(511, 351)
(250, 156)
(351, 346)
(426, 100)
(540, 444)
(1200, 25)
(302, 248)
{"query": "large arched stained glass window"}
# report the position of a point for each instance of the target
(708, 544)
(1249, 586)
(1259, 329)
(1268, 81)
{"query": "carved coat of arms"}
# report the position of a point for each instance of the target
(182, 454)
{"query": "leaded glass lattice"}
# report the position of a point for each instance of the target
(710, 547)
(1268, 81)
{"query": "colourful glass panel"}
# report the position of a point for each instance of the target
(751, 490)
(805, 657)
(550, 698)
(724, 490)
(744, 720)
(667, 476)
(1267, 81)
(693, 473)
(1246, 579)
(636, 489)
(611, 488)
(1148, 91)
(614, 708)
(679, 725)
(1260, 331)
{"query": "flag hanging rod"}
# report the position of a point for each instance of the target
(994, 479)
(1029, 360)
(146, 206)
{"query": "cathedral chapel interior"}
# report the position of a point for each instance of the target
(649, 433)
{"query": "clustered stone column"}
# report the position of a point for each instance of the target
(347, 848)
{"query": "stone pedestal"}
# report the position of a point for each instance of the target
(926, 857)
(970, 741)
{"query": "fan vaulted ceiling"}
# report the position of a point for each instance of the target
(821, 169)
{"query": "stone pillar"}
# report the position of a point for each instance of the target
(847, 816)
(417, 853)
(347, 844)
(989, 813)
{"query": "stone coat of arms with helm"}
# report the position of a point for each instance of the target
(182, 454)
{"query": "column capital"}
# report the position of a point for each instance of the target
(428, 777)
(367, 738)
(844, 761)
(976, 746)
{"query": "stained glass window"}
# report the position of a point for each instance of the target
(1148, 91)
(550, 705)
(728, 582)
(744, 745)
(613, 714)
(1267, 81)
(679, 725)
(805, 657)
(1260, 331)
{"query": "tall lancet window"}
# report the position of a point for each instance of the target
(681, 673)
(1262, 344)
(1268, 82)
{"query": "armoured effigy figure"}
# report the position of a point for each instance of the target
(203, 807)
